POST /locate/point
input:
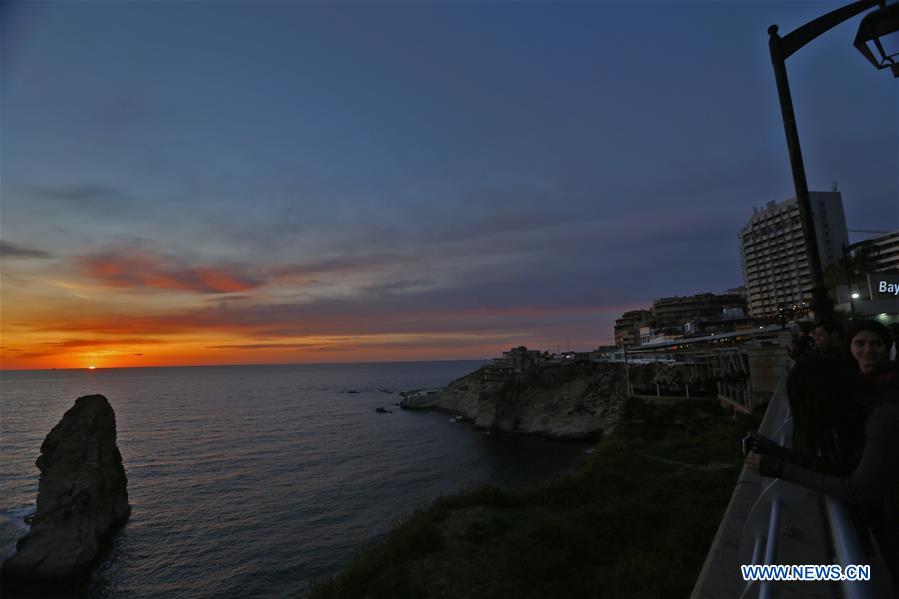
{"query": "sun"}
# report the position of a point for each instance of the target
(91, 367)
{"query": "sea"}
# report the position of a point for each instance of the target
(255, 481)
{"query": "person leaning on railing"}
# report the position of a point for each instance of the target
(846, 445)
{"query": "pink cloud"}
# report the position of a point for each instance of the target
(131, 268)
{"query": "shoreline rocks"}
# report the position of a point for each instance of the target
(82, 497)
(563, 401)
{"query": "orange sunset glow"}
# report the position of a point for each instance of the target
(43, 339)
(215, 349)
(113, 345)
(131, 307)
(105, 318)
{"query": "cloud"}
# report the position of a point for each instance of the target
(84, 195)
(369, 315)
(78, 343)
(558, 281)
(136, 268)
(11, 250)
(267, 346)
(397, 287)
(30, 355)
(340, 264)
(230, 298)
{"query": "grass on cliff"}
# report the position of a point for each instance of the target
(636, 521)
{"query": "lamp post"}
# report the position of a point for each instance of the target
(875, 25)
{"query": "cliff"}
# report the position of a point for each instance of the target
(82, 497)
(634, 521)
(558, 400)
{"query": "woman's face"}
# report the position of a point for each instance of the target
(868, 350)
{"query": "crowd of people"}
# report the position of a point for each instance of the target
(844, 397)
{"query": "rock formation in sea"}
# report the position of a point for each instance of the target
(82, 497)
(572, 400)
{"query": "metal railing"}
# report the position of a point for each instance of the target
(847, 547)
(763, 523)
(776, 496)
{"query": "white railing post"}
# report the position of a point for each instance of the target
(771, 545)
(848, 548)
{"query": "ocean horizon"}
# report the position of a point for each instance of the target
(248, 365)
(256, 480)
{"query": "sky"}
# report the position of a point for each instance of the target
(236, 182)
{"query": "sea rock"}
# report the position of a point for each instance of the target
(565, 400)
(82, 497)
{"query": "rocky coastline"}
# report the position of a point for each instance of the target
(663, 475)
(573, 401)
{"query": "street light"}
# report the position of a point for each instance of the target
(873, 30)
(874, 27)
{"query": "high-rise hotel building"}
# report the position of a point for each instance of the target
(775, 266)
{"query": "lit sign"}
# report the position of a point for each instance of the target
(884, 286)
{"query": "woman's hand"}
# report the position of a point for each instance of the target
(753, 461)
(761, 444)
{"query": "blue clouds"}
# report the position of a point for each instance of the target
(13, 250)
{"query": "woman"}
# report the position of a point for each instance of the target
(832, 458)
(829, 409)
(869, 344)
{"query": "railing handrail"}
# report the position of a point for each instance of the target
(781, 421)
(720, 574)
(847, 547)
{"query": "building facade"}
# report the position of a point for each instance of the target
(772, 250)
(514, 363)
(873, 280)
(673, 312)
(880, 254)
(627, 328)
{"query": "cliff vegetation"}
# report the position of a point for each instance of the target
(635, 521)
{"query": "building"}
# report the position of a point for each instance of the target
(627, 328)
(514, 363)
(521, 358)
(673, 312)
(873, 276)
(880, 254)
(650, 335)
(772, 249)
(674, 317)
